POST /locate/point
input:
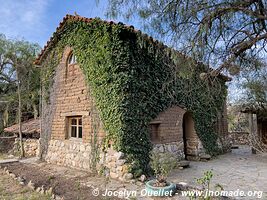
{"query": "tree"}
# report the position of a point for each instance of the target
(17, 71)
(222, 33)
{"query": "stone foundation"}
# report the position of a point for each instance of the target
(115, 165)
(31, 147)
(69, 153)
(76, 154)
(174, 148)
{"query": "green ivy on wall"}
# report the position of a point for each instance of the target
(133, 79)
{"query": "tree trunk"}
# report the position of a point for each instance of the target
(22, 153)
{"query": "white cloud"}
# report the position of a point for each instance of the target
(22, 18)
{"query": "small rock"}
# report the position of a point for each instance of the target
(183, 163)
(31, 185)
(120, 162)
(138, 183)
(205, 156)
(114, 175)
(42, 191)
(182, 186)
(161, 149)
(57, 198)
(119, 155)
(50, 191)
(21, 183)
(142, 178)
(132, 181)
(12, 175)
(128, 176)
(180, 168)
(20, 179)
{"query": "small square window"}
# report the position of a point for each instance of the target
(75, 127)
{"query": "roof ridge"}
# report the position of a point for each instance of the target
(88, 20)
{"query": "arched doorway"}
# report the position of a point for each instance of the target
(189, 136)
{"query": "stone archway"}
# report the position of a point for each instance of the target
(190, 138)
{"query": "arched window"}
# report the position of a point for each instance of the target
(72, 59)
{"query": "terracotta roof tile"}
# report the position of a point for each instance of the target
(28, 127)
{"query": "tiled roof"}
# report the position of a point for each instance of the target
(52, 39)
(28, 127)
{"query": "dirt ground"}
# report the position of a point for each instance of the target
(239, 170)
(11, 190)
(64, 184)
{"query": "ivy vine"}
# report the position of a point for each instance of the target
(133, 79)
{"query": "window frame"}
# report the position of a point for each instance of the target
(72, 59)
(77, 125)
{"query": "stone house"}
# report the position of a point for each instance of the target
(75, 123)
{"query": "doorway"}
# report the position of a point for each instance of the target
(188, 135)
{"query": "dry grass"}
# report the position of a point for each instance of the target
(11, 190)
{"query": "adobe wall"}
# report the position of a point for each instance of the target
(70, 96)
(170, 138)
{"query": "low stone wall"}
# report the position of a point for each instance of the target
(115, 165)
(30, 147)
(239, 138)
(174, 148)
(69, 153)
(76, 154)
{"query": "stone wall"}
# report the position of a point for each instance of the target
(239, 138)
(114, 165)
(30, 147)
(69, 153)
(77, 154)
(174, 148)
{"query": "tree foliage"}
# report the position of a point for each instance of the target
(16, 67)
(229, 35)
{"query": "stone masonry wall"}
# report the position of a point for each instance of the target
(69, 153)
(176, 149)
(30, 147)
(76, 154)
(239, 138)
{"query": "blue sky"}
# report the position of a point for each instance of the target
(36, 20)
